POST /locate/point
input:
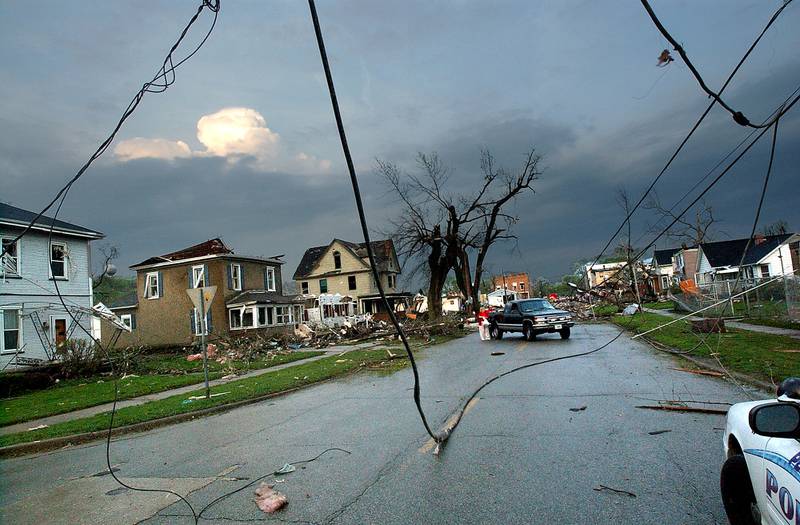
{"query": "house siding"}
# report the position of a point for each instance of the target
(34, 290)
(337, 278)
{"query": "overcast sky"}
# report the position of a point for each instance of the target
(244, 145)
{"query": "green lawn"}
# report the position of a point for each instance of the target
(752, 353)
(156, 374)
(278, 381)
(660, 305)
(606, 310)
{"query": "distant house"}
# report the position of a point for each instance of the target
(519, 282)
(684, 264)
(602, 274)
(33, 322)
(343, 268)
(766, 256)
(661, 270)
(452, 302)
(249, 296)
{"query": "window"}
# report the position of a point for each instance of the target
(128, 320)
(269, 279)
(391, 280)
(197, 325)
(152, 286)
(664, 282)
(199, 276)
(236, 277)
(262, 315)
(323, 286)
(764, 270)
(12, 335)
(304, 287)
(337, 260)
(235, 318)
(58, 261)
(521, 287)
(10, 262)
(283, 314)
(351, 282)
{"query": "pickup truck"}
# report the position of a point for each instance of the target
(530, 317)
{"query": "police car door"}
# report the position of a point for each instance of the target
(781, 483)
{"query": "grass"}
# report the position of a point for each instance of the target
(157, 373)
(753, 353)
(254, 387)
(605, 310)
(660, 305)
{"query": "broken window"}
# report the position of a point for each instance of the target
(262, 315)
(198, 276)
(247, 318)
(323, 286)
(58, 261)
(197, 325)
(337, 260)
(10, 262)
(235, 318)
(764, 270)
(269, 279)
(152, 286)
(236, 277)
(304, 287)
(283, 314)
(351, 282)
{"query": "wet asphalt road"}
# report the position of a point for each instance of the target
(519, 456)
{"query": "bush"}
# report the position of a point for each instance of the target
(78, 358)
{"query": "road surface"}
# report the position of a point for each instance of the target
(519, 456)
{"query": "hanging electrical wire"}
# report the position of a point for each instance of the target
(738, 117)
(696, 125)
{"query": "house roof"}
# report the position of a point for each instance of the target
(208, 249)
(14, 216)
(383, 249)
(130, 300)
(663, 257)
(729, 253)
(262, 297)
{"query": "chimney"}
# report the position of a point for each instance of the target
(759, 238)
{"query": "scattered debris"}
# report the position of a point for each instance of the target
(630, 309)
(657, 432)
(498, 353)
(118, 490)
(709, 326)
(195, 398)
(791, 351)
(229, 376)
(285, 469)
(269, 500)
(38, 427)
(601, 488)
(701, 372)
(578, 409)
(680, 408)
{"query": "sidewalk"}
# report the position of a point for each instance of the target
(789, 332)
(106, 407)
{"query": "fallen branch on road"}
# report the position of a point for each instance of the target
(679, 408)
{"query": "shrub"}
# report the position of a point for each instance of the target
(78, 358)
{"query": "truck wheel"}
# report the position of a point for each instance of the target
(527, 332)
(564, 333)
(737, 492)
(495, 332)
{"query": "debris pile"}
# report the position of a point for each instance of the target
(268, 499)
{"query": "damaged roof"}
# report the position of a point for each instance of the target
(262, 297)
(210, 248)
(14, 216)
(729, 253)
(663, 257)
(383, 249)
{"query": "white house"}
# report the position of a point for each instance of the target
(32, 319)
(766, 256)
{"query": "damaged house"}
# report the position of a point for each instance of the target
(249, 296)
(343, 268)
(766, 257)
(33, 321)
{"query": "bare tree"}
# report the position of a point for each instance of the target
(778, 227)
(687, 230)
(439, 229)
(624, 202)
(109, 253)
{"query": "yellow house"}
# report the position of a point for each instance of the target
(343, 267)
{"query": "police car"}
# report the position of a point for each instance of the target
(760, 479)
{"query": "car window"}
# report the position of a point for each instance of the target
(536, 304)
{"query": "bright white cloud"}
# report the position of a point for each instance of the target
(237, 131)
(232, 133)
(142, 148)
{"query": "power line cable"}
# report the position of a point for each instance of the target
(363, 221)
(691, 131)
(738, 117)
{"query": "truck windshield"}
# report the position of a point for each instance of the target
(535, 304)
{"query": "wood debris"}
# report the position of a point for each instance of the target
(701, 372)
(680, 408)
